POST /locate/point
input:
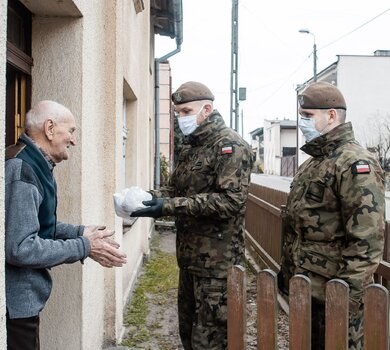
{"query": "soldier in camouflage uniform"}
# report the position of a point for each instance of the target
(334, 224)
(207, 194)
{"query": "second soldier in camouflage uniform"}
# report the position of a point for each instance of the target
(207, 194)
(334, 224)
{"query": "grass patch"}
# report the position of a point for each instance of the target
(159, 276)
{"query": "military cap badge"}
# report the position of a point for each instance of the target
(177, 96)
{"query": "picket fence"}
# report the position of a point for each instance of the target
(376, 313)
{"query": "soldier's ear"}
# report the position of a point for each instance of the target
(332, 115)
(208, 108)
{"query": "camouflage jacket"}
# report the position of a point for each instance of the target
(207, 194)
(334, 225)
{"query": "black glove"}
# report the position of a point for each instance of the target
(154, 209)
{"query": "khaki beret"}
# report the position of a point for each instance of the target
(191, 91)
(321, 95)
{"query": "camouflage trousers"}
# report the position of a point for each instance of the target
(355, 331)
(202, 308)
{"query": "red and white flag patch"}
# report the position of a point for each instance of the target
(227, 150)
(361, 167)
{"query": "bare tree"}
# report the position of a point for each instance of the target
(378, 138)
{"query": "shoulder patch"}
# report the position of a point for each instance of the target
(227, 149)
(360, 167)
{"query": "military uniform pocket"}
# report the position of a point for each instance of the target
(213, 308)
(318, 263)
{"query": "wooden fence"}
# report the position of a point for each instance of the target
(376, 313)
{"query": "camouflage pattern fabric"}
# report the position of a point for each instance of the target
(334, 223)
(202, 305)
(207, 194)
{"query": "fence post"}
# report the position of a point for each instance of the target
(300, 313)
(236, 308)
(267, 308)
(376, 318)
(336, 315)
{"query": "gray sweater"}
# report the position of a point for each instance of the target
(29, 257)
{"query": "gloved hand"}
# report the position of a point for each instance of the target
(154, 209)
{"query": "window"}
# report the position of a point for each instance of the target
(289, 151)
(19, 63)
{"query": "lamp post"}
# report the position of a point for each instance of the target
(307, 31)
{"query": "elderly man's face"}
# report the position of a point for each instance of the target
(63, 138)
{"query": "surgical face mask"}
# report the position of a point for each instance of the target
(307, 126)
(188, 124)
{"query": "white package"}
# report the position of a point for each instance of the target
(129, 200)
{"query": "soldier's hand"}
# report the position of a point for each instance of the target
(103, 249)
(154, 210)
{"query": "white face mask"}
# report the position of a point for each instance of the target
(188, 124)
(307, 126)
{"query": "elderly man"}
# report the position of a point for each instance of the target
(207, 194)
(334, 225)
(34, 240)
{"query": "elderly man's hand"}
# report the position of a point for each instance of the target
(104, 250)
(154, 209)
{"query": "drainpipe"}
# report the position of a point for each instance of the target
(179, 38)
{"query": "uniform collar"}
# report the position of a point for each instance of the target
(327, 143)
(213, 123)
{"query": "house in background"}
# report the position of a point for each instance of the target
(258, 147)
(365, 83)
(280, 142)
(96, 58)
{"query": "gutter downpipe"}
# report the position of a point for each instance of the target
(179, 39)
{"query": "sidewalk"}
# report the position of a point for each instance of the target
(160, 331)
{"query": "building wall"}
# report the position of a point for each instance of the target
(365, 83)
(98, 63)
(288, 138)
(3, 40)
(272, 152)
(165, 110)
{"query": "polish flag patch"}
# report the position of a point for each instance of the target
(361, 167)
(227, 150)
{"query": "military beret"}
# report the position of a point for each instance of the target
(191, 91)
(321, 95)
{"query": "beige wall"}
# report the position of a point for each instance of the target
(99, 63)
(3, 38)
(165, 104)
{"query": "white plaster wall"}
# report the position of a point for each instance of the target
(3, 40)
(56, 75)
(288, 138)
(89, 64)
(272, 152)
(136, 73)
(365, 84)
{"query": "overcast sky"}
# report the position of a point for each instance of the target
(273, 56)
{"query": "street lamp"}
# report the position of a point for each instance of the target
(307, 31)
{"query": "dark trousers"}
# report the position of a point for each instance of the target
(23, 333)
(202, 308)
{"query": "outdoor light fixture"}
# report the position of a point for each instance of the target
(307, 31)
